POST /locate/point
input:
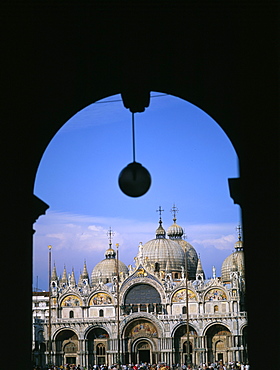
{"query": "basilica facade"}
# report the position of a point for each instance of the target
(141, 314)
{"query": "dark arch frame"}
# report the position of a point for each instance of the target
(53, 69)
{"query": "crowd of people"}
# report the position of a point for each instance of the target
(160, 366)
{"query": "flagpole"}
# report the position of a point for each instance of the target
(50, 312)
(118, 309)
(187, 310)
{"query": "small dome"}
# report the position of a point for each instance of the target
(107, 268)
(160, 232)
(110, 253)
(234, 262)
(175, 231)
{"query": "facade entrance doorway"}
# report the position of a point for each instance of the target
(70, 360)
(220, 357)
(219, 344)
(143, 352)
(185, 352)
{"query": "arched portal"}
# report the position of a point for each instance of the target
(140, 342)
(180, 344)
(97, 346)
(143, 352)
(66, 347)
(219, 343)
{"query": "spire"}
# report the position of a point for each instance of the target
(160, 232)
(54, 274)
(167, 268)
(214, 272)
(84, 274)
(80, 282)
(64, 279)
(72, 279)
(199, 270)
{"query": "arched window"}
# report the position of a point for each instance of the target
(142, 293)
(71, 314)
(216, 308)
(100, 349)
(184, 310)
(101, 313)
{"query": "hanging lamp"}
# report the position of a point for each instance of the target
(134, 180)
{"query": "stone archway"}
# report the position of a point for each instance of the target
(180, 344)
(66, 347)
(218, 344)
(143, 352)
(97, 346)
(140, 342)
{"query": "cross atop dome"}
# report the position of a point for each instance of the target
(160, 232)
(160, 210)
(110, 235)
(239, 230)
(174, 210)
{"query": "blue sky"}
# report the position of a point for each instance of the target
(188, 156)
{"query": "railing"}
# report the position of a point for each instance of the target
(203, 316)
(160, 317)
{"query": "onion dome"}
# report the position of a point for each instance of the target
(234, 262)
(164, 254)
(176, 232)
(160, 232)
(107, 268)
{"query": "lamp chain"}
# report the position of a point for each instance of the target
(133, 137)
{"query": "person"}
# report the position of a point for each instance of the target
(221, 366)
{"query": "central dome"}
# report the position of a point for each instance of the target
(164, 254)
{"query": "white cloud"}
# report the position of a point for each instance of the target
(88, 233)
(77, 237)
(224, 242)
